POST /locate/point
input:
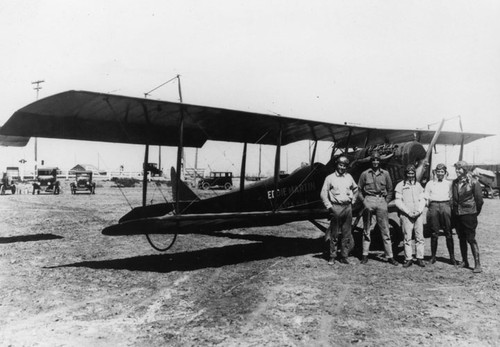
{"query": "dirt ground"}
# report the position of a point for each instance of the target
(63, 283)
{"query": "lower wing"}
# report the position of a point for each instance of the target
(209, 222)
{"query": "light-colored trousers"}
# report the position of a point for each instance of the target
(409, 225)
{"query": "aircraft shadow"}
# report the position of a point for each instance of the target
(26, 238)
(269, 247)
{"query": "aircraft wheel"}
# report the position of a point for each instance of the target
(205, 186)
(228, 186)
(161, 242)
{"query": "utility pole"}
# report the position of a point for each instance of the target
(37, 88)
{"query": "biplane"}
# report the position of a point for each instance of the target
(82, 115)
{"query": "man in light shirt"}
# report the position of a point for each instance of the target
(411, 203)
(438, 196)
(338, 194)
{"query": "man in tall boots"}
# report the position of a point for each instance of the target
(467, 200)
(438, 197)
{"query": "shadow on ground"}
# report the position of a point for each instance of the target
(264, 247)
(27, 238)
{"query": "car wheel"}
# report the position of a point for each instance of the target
(496, 193)
(2, 190)
(205, 186)
(228, 186)
(13, 189)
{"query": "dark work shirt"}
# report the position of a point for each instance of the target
(376, 184)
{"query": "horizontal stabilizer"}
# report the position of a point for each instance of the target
(149, 211)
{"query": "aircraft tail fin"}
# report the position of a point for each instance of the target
(185, 193)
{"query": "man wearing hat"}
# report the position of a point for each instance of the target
(467, 201)
(375, 190)
(438, 197)
(338, 194)
(411, 203)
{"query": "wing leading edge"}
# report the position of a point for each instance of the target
(82, 115)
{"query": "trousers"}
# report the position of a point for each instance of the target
(340, 231)
(378, 206)
(409, 225)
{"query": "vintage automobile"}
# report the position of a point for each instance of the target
(83, 183)
(488, 182)
(46, 181)
(153, 169)
(217, 180)
(7, 184)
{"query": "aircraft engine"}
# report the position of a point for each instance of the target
(394, 158)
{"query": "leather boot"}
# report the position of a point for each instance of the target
(475, 253)
(463, 252)
(451, 250)
(434, 247)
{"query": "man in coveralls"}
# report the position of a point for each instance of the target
(467, 204)
(411, 203)
(338, 194)
(375, 190)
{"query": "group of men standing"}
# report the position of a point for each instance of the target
(450, 204)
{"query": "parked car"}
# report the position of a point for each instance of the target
(153, 169)
(46, 181)
(83, 183)
(217, 180)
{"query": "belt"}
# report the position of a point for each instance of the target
(378, 195)
(342, 203)
(440, 202)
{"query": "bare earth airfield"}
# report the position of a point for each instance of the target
(65, 284)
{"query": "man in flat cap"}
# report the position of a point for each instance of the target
(467, 201)
(338, 194)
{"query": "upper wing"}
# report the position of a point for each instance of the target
(14, 141)
(82, 115)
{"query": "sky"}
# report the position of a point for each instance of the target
(391, 63)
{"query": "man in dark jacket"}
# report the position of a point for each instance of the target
(467, 201)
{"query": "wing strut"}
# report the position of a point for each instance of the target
(145, 176)
(461, 155)
(313, 156)
(179, 158)
(277, 162)
(243, 169)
